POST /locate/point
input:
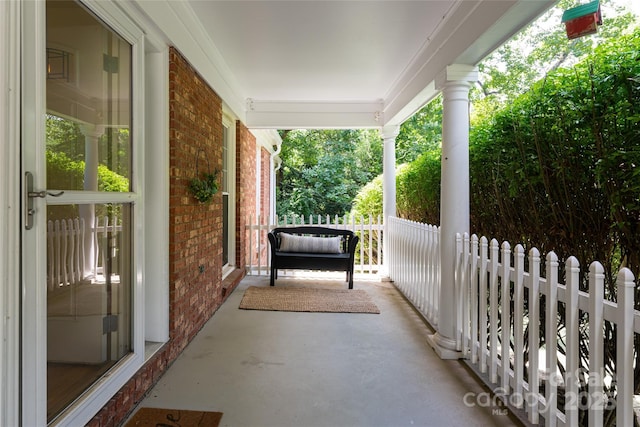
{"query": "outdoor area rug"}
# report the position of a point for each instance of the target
(152, 417)
(308, 300)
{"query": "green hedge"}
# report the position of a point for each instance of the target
(559, 168)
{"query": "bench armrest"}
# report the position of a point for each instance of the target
(273, 242)
(353, 242)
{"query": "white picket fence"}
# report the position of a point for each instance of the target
(68, 262)
(368, 229)
(491, 283)
(501, 301)
(414, 263)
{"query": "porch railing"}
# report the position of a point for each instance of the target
(414, 263)
(367, 228)
(506, 297)
(65, 252)
(68, 261)
(511, 311)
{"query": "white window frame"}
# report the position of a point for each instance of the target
(229, 122)
(156, 197)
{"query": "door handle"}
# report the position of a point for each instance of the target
(44, 193)
(30, 194)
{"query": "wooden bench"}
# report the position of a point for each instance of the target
(312, 248)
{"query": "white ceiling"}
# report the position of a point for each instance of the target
(324, 63)
(318, 50)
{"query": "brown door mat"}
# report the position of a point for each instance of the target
(153, 417)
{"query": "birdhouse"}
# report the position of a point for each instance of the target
(582, 20)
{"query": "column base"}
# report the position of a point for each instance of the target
(383, 274)
(445, 348)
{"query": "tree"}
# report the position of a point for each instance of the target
(420, 133)
(538, 49)
(322, 170)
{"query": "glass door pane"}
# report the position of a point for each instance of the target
(89, 237)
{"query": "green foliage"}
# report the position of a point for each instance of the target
(420, 133)
(369, 199)
(66, 174)
(69, 175)
(539, 49)
(204, 187)
(322, 170)
(64, 136)
(110, 181)
(556, 170)
(418, 189)
(556, 166)
(65, 157)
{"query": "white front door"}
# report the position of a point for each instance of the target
(78, 207)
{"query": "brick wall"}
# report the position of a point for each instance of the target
(245, 187)
(195, 230)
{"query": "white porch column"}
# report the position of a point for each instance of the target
(275, 165)
(389, 134)
(92, 136)
(454, 82)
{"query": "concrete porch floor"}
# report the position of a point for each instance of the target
(263, 369)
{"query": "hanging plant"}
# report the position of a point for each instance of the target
(204, 186)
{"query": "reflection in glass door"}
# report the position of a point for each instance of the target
(89, 229)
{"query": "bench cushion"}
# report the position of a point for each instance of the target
(310, 255)
(310, 244)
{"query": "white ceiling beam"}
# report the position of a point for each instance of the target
(313, 115)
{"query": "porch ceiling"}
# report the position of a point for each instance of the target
(287, 64)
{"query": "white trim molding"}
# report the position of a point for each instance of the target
(10, 28)
(313, 115)
(456, 73)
